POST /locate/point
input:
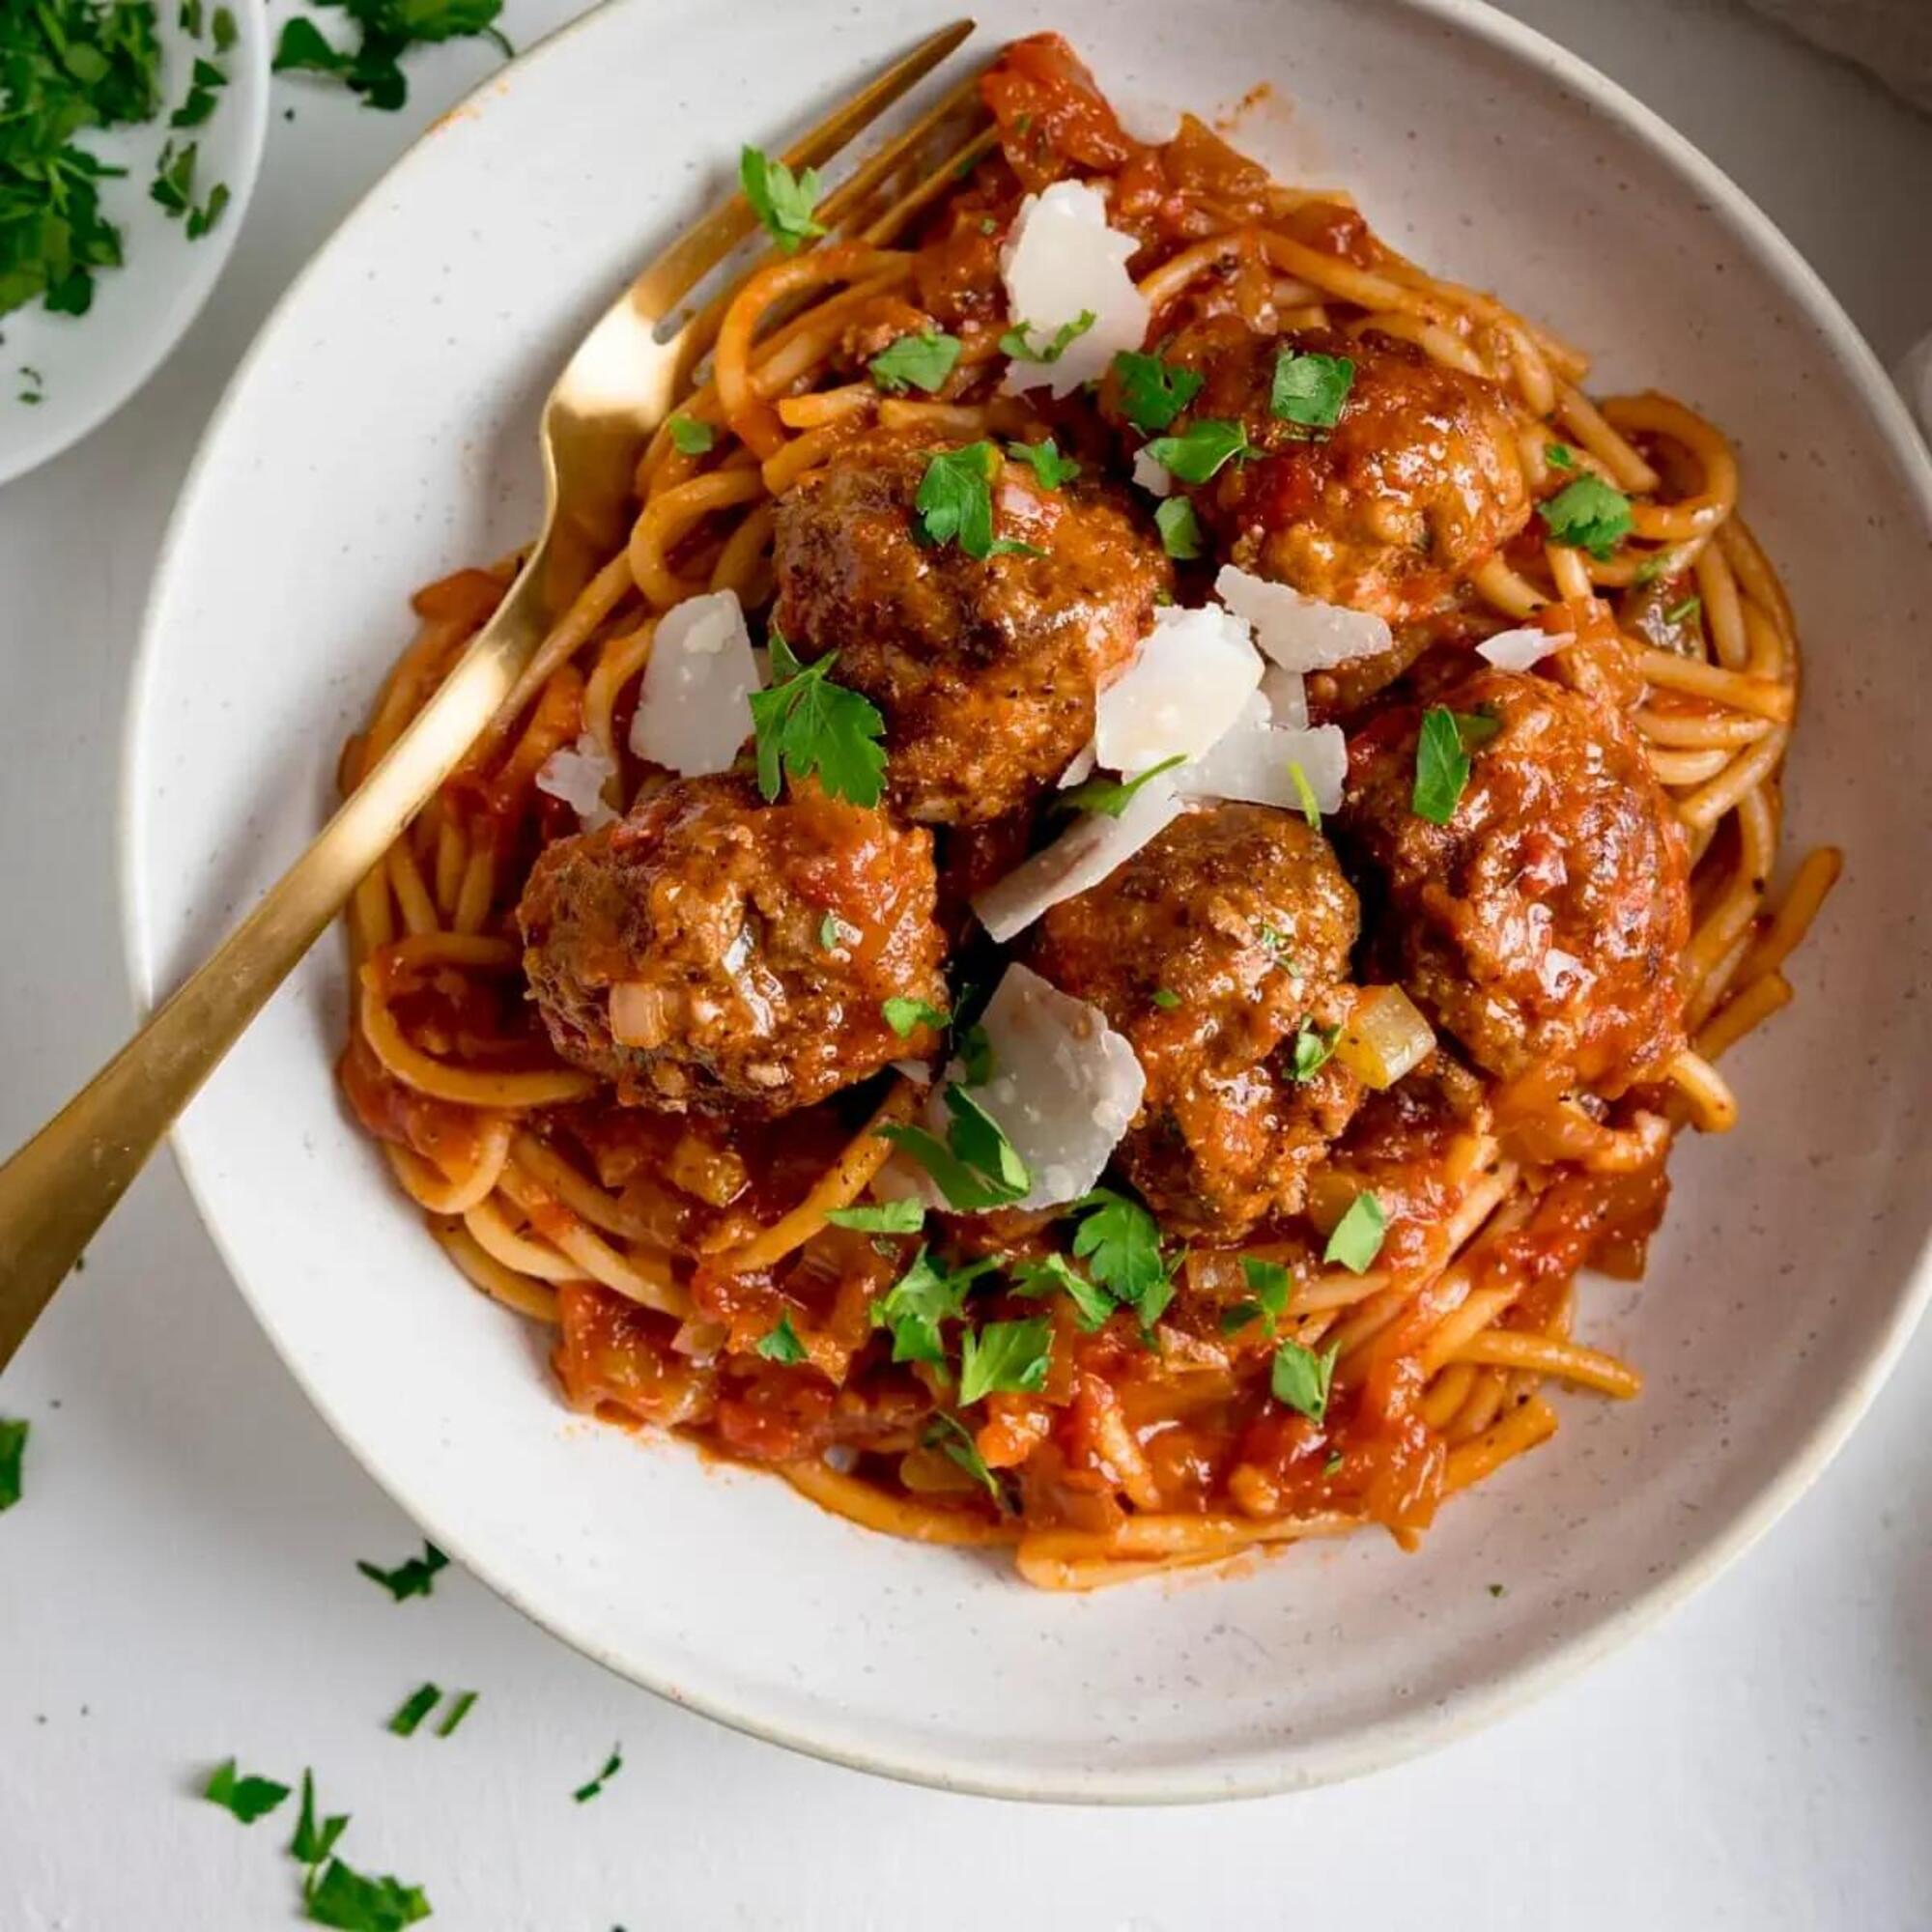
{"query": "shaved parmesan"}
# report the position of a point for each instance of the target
(695, 702)
(1518, 650)
(1155, 478)
(1301, 633)
(1063, 1088)
(1287, 695)
(1254, 761)
(1079, 857)
(1153, 123)
(1062, 262)
(577, 774)
(1195, 671)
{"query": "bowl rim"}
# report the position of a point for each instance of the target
(241, 180)
(1268, 1769)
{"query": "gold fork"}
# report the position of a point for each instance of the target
(614, 392)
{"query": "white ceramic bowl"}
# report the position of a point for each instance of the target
(91, 364)
(380, 432)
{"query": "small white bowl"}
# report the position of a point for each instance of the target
(380, 433)
(89, 365)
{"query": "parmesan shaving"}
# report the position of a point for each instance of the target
(1195, 671)
(577, 774)
(1300, 634)
(1061, 261)
(1519, 649)
(694, 701)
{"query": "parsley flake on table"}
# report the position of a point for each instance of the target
(1153, 392)
(928, 1294)
(1588, 514)
(351, 1902)
(921, 361)
(1442, 766)
(245, 1799)
(12, 1452)
(906, 1016)
(386, 29)
(1300, 1377)
(204, 91)
(1358, 1239)
(955, 1440)
(313, 1843)
(415, 1708)
(226, 32)
(612, 1765)
(781, 199)
(692, 438)
(883, 1217)
(460, 1708)
(1201, 448)
(805, 724)
(1111, 796)
(1005, 1358)
(1309, 389)
(1017, 342)
(415, 1578)
(1179, 528)
(1053, 469)
(783, 1346)
(1055, 1274)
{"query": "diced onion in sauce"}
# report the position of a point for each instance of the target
(1301, 633)
(643, 1014)
(1195, 673)
(1061, 261)
(1385, 1038)
(577, 774)
(1518, 650)
(694, 701)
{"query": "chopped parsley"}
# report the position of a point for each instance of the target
(952, 1438)
(1300, 1377)
(692, 438)
(1304, 792)
(1179, 528)
(1201, 448)
(458, 1709)
(1268, 1282)
(977, 1166)
(1165, 998)
(954, 503)
(1055, 1274)
(244, 1798)
(883, 1217)
(976, 1055)
(1358, 1239)
(226, 33)
(1309, 390)
(1588, 514)
(385, 30)
(1018, 343)
(1331, 1462)
(781, 199)
(354, 1903)
(1153, 392)
(612, 1765)
(1313, 1047)
(828, 932)
(1442, 767)
(906, 1016)
(928, 1294)
(415, 1708)
(1496, 1590)
(415, 1578)
(805, 724)
(205, 86)
(1005, 1357)
(1119, 1242)
(782, 1345)
(12, 1452)
(921, 361)
(1111, 796)
(1559, 456)
(1679, 613)
(312, 1843)
(1053, 469)
(172, 191)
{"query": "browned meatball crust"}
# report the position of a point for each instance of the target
(1544, 925)
(1415, 485)
(1210, 949)
(755, 944)
(984, 668)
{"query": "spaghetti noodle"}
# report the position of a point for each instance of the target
(691, 1256)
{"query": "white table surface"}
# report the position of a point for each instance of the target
(179, 1584)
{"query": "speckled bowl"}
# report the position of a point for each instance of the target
(380, 433)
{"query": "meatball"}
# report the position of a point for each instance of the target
(984, 668)
(1211, 949)
(716, 952)
(1416, 484)
(1544, 925)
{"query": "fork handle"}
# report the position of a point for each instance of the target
(64, 1181)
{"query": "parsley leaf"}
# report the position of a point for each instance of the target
(978, 1140)
(952, 1438)
(1153, 392)
(245, 1798)
(926, 1294)
(1111, 796)
(1442, 762)
(1358, 1239)
(1055, 1274)
(976, 1055)
(921, 361)
(612, 1765)
(1310, 389)
(1559, 456)
(1588, 514)
(1179, 528)
(385, 30)
(828, 932)
(458, 1709)
(1005, 1357)
(1300, 1377)
(414, 1709)
(415, 1578)
(781, 199)
(1051, 467)
(1268, 1282)
(1237, 1317)
(782, 1345)
(692, 438)
(13, 1451)
(1165, 998)
(353, 1903)
(1313, 1047)
(1119, 1242)
(312, 1843)
(226, 33)
(803, 723)
(954, 503)
(201, 219)
(885, 1217)
(906, 1016)
(1017, 342)
(1201, 449)
(1304, 792)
